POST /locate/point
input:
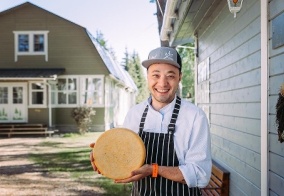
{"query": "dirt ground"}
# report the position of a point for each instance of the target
(21, 177)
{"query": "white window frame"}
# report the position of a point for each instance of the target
(79, 91)
(54, 91)
(31, 90)
(101, 77)
(31, 44)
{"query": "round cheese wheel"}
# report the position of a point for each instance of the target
(117, 152)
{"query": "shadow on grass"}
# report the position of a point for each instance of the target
(76, 162)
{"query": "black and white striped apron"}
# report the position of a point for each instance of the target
(160, 150)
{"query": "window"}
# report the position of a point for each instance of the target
(37, 94)
(30, 43)
(91, 91)
(72, 91)
(4, 95)
(65, 92)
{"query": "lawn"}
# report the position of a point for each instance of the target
(56, 156)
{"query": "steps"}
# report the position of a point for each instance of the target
(25, 129)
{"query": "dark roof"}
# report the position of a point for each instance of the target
(30, 73)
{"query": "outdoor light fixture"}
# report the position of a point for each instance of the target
(235, 6)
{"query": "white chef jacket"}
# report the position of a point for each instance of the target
(191, 138)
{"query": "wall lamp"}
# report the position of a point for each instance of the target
(235, 6)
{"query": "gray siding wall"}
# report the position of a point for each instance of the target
(276, 78)
(233, 46)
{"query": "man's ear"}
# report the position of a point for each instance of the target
(180, 76)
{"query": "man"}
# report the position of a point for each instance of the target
(175, 133)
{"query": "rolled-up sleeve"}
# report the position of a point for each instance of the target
(197, 164)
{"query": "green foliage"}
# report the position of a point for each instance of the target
(132, 64)
(187, 56)
(82, 116)
(103, 42)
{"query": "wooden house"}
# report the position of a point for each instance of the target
(50, 65)
(239, 70)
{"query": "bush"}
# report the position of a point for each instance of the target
(82, 116)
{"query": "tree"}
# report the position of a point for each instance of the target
(132, 64)
(103, 42)
(187, 55)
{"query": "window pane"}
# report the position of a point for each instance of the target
(23, 43)
(92, 91)
(88, 98)
(62, 98)
(53, 98)
(62, 84)
(17, 94)
(38, 43)
(72, 98)
(37, 98)
(72, 85)
(4, 95)
(37, 86)
(98, 83)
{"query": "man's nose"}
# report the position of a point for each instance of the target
(163, 81)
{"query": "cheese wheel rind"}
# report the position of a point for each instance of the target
(117, 152)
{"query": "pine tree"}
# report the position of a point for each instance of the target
(187, 56)
(132, 64)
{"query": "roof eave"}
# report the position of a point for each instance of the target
(174, 17)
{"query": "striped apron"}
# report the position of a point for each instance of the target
(160, 150)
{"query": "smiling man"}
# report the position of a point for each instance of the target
(175, 133)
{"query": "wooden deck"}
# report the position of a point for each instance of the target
(25, 129)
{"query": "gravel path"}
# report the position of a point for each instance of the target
(21, 177)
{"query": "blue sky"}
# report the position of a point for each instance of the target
(124, 23)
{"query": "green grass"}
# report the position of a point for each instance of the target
(75, 161)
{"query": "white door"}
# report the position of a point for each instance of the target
(13, 102)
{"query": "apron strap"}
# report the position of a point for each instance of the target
(172, 125)
(143, 119)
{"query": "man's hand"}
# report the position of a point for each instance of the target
(138, 174)
(92, 158)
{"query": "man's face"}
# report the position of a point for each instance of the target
(163, 81)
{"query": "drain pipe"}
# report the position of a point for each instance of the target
(264, 96)
(49, 104)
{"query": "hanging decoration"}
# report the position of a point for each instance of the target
(280, 114)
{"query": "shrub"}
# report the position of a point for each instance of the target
(82, 116)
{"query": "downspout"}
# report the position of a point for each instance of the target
(49, 105)
(48, 83)
(264, 96)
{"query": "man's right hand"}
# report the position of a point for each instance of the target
(92, 158)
